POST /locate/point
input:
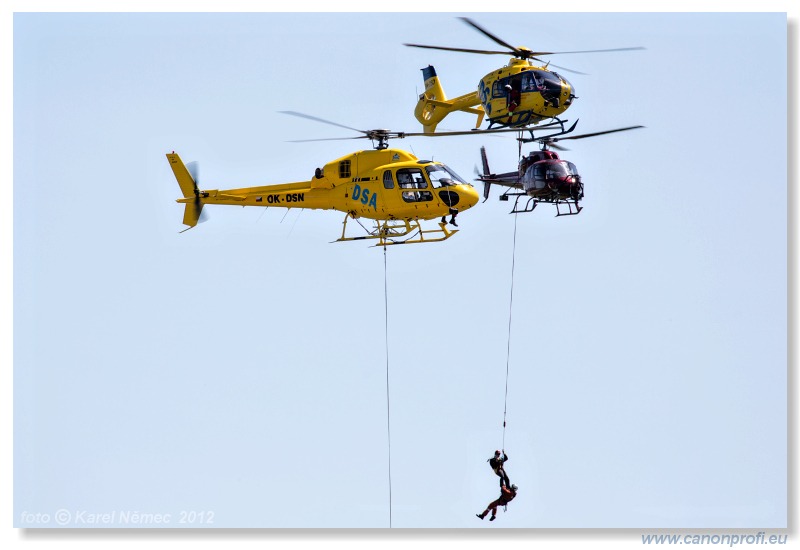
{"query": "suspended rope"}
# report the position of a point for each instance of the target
(295, 222)
(388, 417)
(508, 347)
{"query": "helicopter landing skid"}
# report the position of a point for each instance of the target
(569, 204)
(390, 232)
(529, 205)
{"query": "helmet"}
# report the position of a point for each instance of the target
(514, 488)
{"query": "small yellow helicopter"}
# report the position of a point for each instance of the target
(517, 95)
(392, 187)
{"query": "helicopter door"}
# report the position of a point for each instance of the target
(412, 178)
(514, 93)
(499, 96)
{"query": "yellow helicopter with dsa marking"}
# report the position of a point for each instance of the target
(391, 187)
(517, 95)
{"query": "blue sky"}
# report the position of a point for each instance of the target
(239, 367)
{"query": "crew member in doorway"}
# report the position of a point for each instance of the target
(513, 97)
(506, 496)
(496, 463)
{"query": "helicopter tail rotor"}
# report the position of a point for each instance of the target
(187, 177)
(194, 169)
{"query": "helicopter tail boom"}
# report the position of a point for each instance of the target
(433, 104)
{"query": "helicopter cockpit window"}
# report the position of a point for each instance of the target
(532, 82)
(388, 182)
(572, 169)
(556, 171)
(344, 169)
(440, 175)
(558, 76)
(412, 178)
(499, 87)
(553, 170)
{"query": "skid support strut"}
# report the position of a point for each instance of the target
(390, 232)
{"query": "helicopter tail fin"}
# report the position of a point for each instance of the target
(188, 185)
(432, 85)
(433, 104)
(486, 172)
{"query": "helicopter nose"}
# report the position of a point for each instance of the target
(568, 92)
(469, 196)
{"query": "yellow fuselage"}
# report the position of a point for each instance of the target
(535, 94)
(539, 93)
(386, 184)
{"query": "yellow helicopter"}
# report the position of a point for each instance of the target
(391, 187)
(517, 95)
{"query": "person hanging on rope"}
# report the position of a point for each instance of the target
(506, 496)
(496, 463)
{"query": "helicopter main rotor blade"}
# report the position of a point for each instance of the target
(302, 115)
(489, 35)
(383, 135)
(534, 54)
(325, 139)
(401, 135)
(547, 126)
(547, 63)
(593, 51)
(598, 133)
(465, 50)
(469, 132)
